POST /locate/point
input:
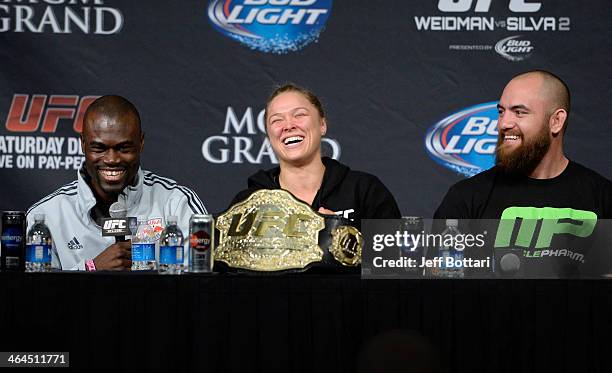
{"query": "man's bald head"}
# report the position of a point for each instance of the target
(552, 87)
(112, 106)
(533, 111)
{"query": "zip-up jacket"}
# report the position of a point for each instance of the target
(77, 237)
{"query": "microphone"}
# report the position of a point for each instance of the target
(118, 211)
(508, 263)
(117, 224)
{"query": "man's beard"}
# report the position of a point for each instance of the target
(524, 159)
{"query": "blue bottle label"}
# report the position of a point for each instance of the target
(38, 253)
(143, 252)
(458, 257)
(11, 240)
(171, 255)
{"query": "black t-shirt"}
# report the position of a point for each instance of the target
(569, 203)
(488, 194)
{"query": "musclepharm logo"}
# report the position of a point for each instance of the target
(271, 26)
(514, 49)
(465, 141)
(551, 225)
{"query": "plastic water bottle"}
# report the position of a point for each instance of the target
(143, 247)
(450, 251)
(413, 226)
(171, 249)
(38, 246)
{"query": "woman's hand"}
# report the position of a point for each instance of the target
(324, 211)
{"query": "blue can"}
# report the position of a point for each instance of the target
(13, 241)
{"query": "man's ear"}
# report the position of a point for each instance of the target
(557, 121)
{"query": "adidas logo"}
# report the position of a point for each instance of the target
(74, 244)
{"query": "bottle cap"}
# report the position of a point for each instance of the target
(452, 223)
(172, 219)
(39, 217)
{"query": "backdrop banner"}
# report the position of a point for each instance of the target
(410, 87)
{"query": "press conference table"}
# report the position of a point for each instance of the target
(306, 323)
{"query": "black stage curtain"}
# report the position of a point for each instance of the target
(307, 323)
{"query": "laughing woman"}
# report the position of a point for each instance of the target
(295, 123)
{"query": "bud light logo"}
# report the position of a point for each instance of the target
(514, 49)
(465, 141)
(271, 26)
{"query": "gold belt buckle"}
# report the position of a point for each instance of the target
(346, 245)
(269, 231)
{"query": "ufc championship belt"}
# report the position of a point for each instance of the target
(273, 231)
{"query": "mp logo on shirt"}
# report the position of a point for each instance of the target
(554, 221)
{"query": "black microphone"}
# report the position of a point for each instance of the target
(509, 263)
(118, 213)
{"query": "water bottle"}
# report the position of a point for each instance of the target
(450, 251)
(38, 246)
(171, 250)
(413, 226)
(143, 247)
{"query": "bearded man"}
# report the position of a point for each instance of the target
(534, 181)
(532, 175)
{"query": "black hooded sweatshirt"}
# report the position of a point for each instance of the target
(352, 194)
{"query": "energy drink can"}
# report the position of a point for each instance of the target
(201, 243)
(13, 241)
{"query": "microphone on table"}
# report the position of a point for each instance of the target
(117, 225)
(508, 263)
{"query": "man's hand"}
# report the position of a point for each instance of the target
(117, 256)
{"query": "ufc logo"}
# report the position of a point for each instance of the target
(517, 6)
(350, 244)
(115, 224)
(288, 224)
(345, 214)
(48, 109)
